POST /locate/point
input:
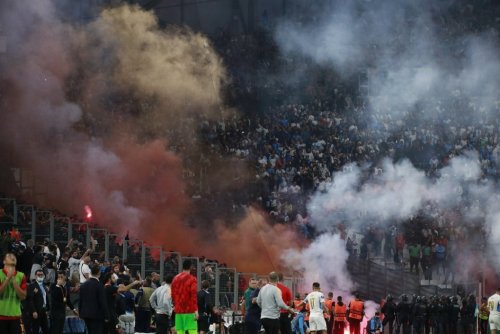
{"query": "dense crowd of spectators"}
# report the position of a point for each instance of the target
(49, 265)
(295, 131)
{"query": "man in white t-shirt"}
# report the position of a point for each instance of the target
(494, 306)
(316, 301)
(84, 269)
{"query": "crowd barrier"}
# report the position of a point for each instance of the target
(227, 285)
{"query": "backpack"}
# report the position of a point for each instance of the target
(440, 252)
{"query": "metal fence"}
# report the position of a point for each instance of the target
(208, 273)
(226, 291)
(8, 213)
(172, 264)
(44, 226)
(25, 220)
(227, 285)
(61, 225)
(243, 281)
(113, 246)
(375, 281)
(134, 256)
(153, 259)
(98, 237)
(80, 233)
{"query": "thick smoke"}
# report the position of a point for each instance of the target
(398, 193)
(415, 60)
(254, 244)
(87, 106)
(131, 185)
(326, 249)
(418, 66)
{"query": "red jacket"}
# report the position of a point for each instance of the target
(286, 295)
(184, 293)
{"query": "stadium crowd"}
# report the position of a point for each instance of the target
(294, 133)
(69, 290)
(56, 298)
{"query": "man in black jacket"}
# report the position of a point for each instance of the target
(204, 308)
(389, 311)
(59, 293)
(403, 312)
(37, 303)
(419, 316)
(92, 305)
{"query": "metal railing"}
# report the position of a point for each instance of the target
(44, 226)
(113, 246)
(79, 232)
(226, 289)
(153, 260)
(25, 220)
(227, 285)
(8, 214)
(134, 253)
(172, 264)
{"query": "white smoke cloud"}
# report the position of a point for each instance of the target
(399, 192)
(326, 249)
(413, 57)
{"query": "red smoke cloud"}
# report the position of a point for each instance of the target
(49, 119)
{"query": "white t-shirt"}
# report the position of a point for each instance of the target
(494, 304)
(315, 300)
(74, 265)
(84, 269)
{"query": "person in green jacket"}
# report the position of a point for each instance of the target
(13, 288)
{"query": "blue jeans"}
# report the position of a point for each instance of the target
(298, 323)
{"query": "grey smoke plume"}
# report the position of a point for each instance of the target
(415, 60)
(418, 67)
(326, 249)
(398, 193)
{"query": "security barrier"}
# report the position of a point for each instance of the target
(226, 285)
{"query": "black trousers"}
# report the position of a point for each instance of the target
(142, 320)
(41, 322)
(10, 326)
(389, 321)
(27, 321)
(483, 326)
(271, 326)
(57, 322)
(285, 323)
(94, 326)
(162, 323)
(414, 262)
(418, 325)
(252, 327)
(329, 325)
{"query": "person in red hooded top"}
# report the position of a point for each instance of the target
(185, 300)
(286, 295)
